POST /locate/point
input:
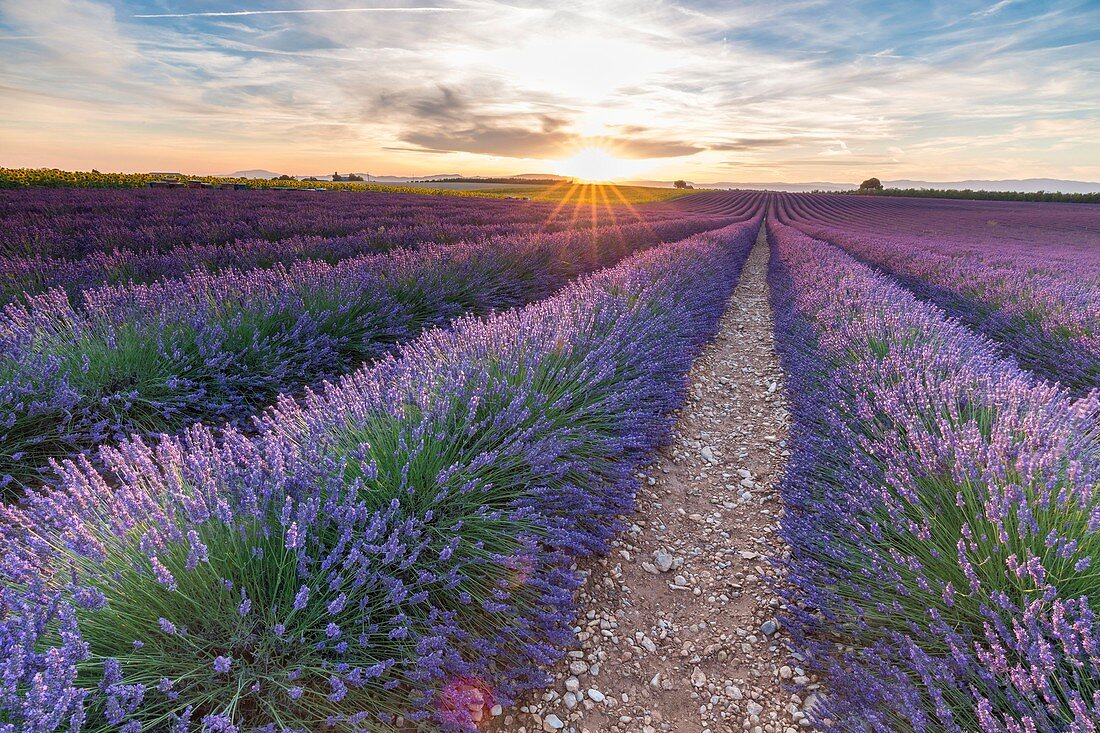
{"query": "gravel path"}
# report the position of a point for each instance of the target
(678, 631)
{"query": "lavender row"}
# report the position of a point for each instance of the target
(33, 275)
(392, 552)
(1067, 234)
(1042, 301)
(942, 512)
(720, 203)
(410, 227)
(153, 358)
(72, 223)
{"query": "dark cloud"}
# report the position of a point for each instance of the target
(445, 119)
(547, 141)
(410, 149)
(648, 148)
(435, 105)
(446, 104)
(448, 119)
(752, 144)
(490, 139)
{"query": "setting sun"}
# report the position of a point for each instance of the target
(596, 164)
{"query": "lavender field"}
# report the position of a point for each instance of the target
(288, 461)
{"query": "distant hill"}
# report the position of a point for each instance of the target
(407, 179)
(541, 177)
(1022, 185)
(254, 173)
(782, 186)
(773, 186)
(389, 179)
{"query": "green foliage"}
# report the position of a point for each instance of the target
(971, 194)
(54, 178)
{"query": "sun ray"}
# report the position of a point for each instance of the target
(629, 206)
(607, 205)
(594, 215)
(561, 204)
(577, 206)
(611, 215)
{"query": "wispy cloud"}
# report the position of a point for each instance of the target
(992, 9)
(753, 144)
(700, 87)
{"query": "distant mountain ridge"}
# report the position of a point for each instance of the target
(253, 173)
(541, 177)
(1021, 185)
(385, 179)
(264, 173)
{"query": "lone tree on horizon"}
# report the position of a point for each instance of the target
(872, 184)
(682, 184)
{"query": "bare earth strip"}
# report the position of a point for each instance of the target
(677, 631)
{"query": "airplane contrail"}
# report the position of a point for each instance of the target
(237, 13)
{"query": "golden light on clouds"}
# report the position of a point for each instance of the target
(761, 90)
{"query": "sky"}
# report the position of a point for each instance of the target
(777, 90)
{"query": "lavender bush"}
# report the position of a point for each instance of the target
(391, 551)
(942, 512)
(1026, 275)
(152, 358)
(383, 228)
(36, 274)
(72, 223)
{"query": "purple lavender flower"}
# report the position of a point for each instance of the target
(939, 501)
(1026, 275)
(347, 464)
(164, 575)
(221, 346)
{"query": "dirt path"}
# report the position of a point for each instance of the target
(677, 631)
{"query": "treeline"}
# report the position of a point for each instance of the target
(971, 194)
(55, 178)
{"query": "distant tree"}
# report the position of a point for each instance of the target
(352, 177)
(311, 178)
(968, 194)
(285, 177)
(871, 184)
(682, 184)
